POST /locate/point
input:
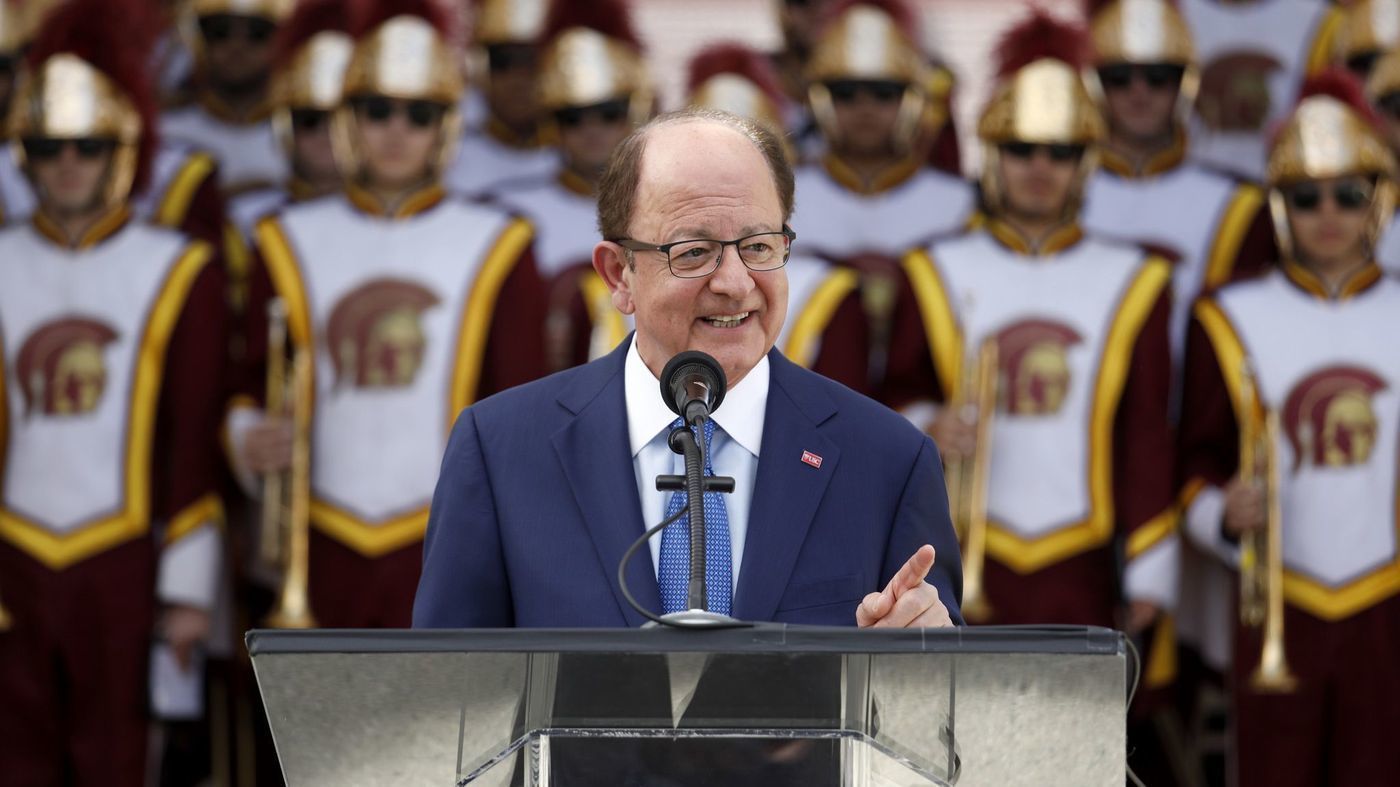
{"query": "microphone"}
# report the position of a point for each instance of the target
(693, 384)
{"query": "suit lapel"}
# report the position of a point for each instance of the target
(593, 451)
(787, 491)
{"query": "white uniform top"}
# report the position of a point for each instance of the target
(244, 210)
(1331, 369)
(1066, 325)
(1273, 39)
(837, 222)
(1388, 249)
(1199, 215)
(483, 165)
(425, 287)
(248, 154)
(91, 325)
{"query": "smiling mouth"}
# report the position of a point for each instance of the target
(727, 320)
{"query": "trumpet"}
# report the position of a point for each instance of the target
(1272, 674)
(972, 473)
(287, 495)
(1253, 589)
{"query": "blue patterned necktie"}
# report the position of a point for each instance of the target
(673, 574)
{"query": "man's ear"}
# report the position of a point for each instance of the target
(610, 263)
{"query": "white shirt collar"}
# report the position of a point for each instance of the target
(740, 415)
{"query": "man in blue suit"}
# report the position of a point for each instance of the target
(839, 515)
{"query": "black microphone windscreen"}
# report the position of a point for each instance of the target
(686, 368)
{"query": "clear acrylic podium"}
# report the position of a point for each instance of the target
(769, 705)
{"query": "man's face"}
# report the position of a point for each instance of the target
(866, 113)
(69, 175)
(1328, 217)
(237, 50)
(700, 180)
(1036, 179)
(587, 135)
(1141, 99)
(312, 158)
(398, 139)
(510, 91)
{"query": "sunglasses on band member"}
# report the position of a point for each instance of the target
(1156, 75)
(309, 119)
(380, 109)
(218, 28)
(847, 90)
(46, 149)
(1348, 195)
(608, 112)
(1027, 150)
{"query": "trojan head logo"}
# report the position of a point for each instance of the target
(1035, 374)
(376, 334)
(1329, 417)
(61, 369)
(1235, 91)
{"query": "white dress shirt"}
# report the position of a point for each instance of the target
(733, 450)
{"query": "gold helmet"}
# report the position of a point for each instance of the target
(1332, 133)
(870, 40)
(86, 79)
(191, 11)
(19, 20)
(737, 79)
(510, 21)
(591, 56)
(1368, 29)
(404, 54)
(1040, 97)
(310, 55)
(1144, 32)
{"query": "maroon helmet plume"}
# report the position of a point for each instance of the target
(1342, 85)
(612, 18)
(1039, 36)
(113, 36)
(311, 17)
(735, 58)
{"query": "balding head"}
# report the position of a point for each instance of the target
(618, 191)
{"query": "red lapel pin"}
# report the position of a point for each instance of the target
(812, 459)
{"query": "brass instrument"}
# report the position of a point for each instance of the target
(1252, 581)
(975, 606)
(1261, 553)
(287, 495)
(1272, 674)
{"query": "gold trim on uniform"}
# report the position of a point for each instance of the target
(500, 132)
(941, 326)
(1359, 281)
(1059, 239)
(896, 175)
(60, 551)
(601, 314)
(175, 204)
(1322, 601)
(1239, 215)
(106, 225)
(1158, 163)
(207, 510)
(573, 182)
(1320, 54)
(816, 314)
(420, 201)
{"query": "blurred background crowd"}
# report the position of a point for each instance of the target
(1127, 261)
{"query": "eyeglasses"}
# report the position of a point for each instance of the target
(44, 149)
(1057, 153)
(1156, 75)
(694, 259)
(309, 119)
(844, 91)
(380, 109)
(507, 57)
(1348, 195)
(219, 28)
(608, 112)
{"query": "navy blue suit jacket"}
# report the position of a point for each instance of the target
(538, 500)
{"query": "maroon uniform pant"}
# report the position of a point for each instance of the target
(350, 590)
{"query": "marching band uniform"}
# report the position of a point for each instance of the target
(108, 429)
(1326, 363)
(1080, 449)
(590, 56)
(491, 155)
(244, 145)
(1384, 83)
(1254, 56)
(411, 314)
